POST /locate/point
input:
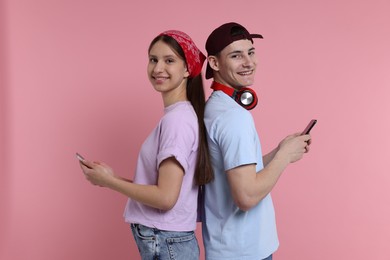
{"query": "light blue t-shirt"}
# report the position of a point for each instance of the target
(176, 135)
(228, 232)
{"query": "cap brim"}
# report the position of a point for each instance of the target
(256, 36)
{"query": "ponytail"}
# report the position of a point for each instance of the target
(195, 94)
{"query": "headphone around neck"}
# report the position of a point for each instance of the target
(245, 97)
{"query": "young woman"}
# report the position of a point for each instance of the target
(173, 160)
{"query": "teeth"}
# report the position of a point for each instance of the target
(245, 73)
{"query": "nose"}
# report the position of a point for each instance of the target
(248, 61)
(158, 67)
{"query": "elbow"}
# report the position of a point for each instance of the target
(167, 204)
(244, 207)
(245, 203)
(166, 207)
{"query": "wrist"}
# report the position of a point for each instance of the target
(281, 159)
(110, 181)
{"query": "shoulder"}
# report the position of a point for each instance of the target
(181, 120)
(221, 107)
(234, 118)
(182, 113)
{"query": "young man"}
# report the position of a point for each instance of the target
(239, 215)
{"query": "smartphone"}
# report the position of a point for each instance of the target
(81, 159)
(309, 127)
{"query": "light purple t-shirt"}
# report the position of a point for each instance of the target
(176, 135)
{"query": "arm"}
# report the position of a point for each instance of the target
(124, 179)
(249, 188)
(162, 196)
(269, 156)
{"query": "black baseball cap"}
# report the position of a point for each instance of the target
(222, 37)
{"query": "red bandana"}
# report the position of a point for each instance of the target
(194, 57)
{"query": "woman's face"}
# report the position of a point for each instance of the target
(166, 70)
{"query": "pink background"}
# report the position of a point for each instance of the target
(73, 78)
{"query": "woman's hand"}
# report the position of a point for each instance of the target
(97, 173)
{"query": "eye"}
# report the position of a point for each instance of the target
(251, 53)
(169, 61)
(152, 60)
(236, 56)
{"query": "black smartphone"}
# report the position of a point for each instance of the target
(309, 127)
(81, 159)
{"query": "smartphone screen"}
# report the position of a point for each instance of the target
(309, 127)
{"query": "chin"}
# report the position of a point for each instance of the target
(244, 82)
(247, 83)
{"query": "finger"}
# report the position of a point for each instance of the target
(98, 163)
(83, 167)
(87, 164)
(306, 138)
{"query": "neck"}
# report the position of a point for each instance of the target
(170, 101)
(176, 95)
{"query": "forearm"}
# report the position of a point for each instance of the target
(267, 178)
(267, 158)
(249, 188)
(124, 179)
(162, 195)
(150, 195)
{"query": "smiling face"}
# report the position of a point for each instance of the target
(167, 72)
(235, 65)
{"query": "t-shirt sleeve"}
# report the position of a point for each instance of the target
(178, 138)
(237, 139)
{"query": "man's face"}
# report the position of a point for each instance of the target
(235, 65)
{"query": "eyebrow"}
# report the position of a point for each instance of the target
(240, 51)
(164, 57)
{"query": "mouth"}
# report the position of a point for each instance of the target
(245, 73)
(160, 78)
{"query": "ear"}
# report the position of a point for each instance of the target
(186, 73)
(213, 62)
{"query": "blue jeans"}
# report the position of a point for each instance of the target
(268, 258)
(155, 244)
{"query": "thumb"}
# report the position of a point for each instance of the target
(306, 138)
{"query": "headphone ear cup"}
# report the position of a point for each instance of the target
(247, 98)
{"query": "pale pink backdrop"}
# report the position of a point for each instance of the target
(73, 78)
